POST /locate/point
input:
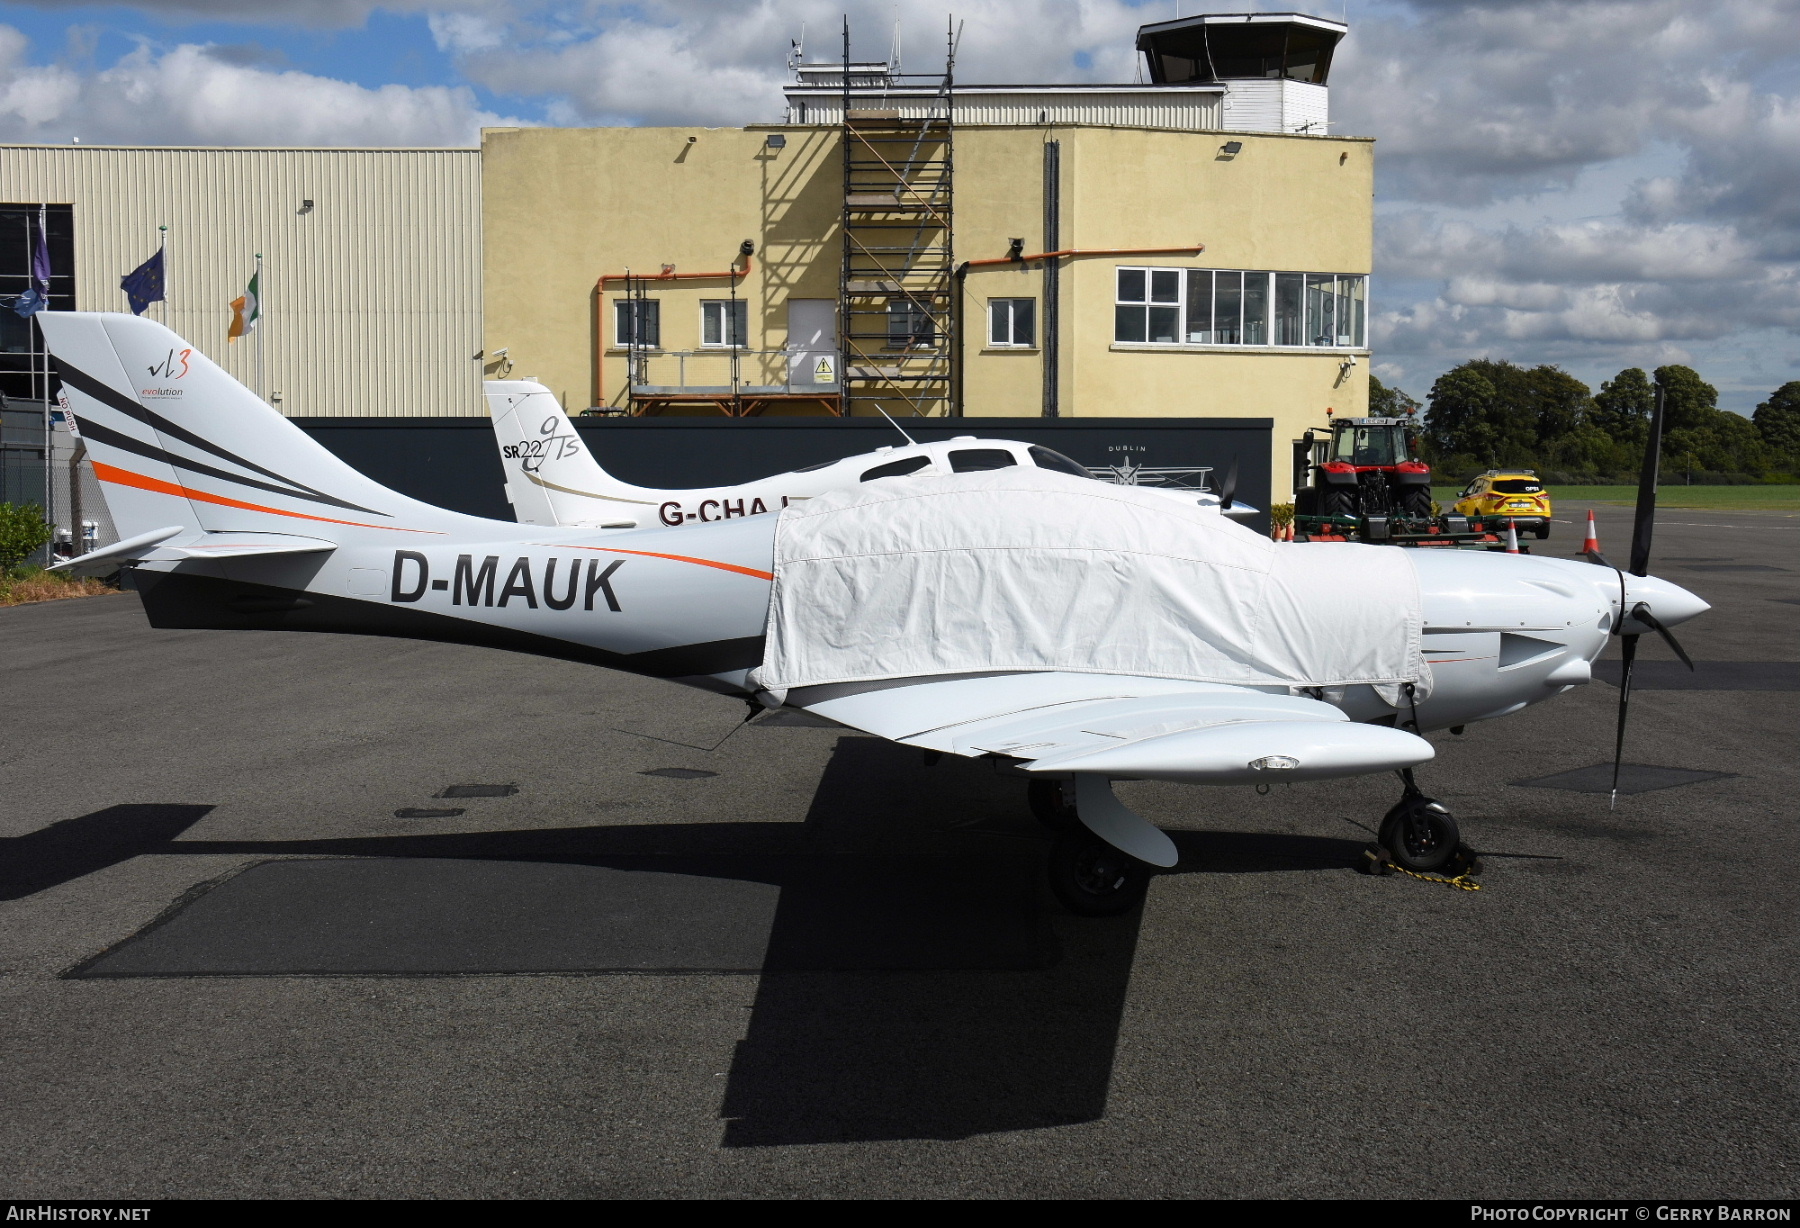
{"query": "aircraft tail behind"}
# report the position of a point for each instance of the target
(551, 478)
(187, 455)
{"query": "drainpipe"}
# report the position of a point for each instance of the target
(1052, 284)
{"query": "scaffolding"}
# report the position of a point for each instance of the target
(896, 291)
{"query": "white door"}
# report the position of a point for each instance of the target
(812, 342)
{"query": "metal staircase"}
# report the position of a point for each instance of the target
(896, 290)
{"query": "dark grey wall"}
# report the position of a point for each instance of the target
(453, 462)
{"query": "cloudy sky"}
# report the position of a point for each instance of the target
(1590, 183)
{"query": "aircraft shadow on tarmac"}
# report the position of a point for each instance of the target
(916, 979)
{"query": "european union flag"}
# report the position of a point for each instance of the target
(144, 284)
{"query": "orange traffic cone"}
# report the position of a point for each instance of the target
(1512, 538)
(1591, 544)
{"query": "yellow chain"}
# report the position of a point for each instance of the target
(1460, 881)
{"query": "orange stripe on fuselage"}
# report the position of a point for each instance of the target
(124, 477)
(679, 558)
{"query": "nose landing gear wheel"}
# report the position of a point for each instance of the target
(1092, 878)
(1419, 834)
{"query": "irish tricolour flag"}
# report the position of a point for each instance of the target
(246, 310)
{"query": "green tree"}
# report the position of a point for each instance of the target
(22, 533)
(1459, 422)
(1697, 433)
(1777, 421)
(1622, 406)
(1488, 412)
(1385, 402)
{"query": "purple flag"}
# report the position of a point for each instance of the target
(37, 294)
(40, 259)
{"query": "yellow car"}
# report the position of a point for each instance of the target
(1509, 494)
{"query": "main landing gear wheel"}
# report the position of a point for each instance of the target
(1094, 879)
(1051, 803)
(1419, 833)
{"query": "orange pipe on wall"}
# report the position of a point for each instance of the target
(600, 311)
(1194, 248)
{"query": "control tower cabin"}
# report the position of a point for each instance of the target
(1273, 66)
(1217, 72)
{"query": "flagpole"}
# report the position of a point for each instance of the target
(162, 249)
(49, 440)
(260, 296)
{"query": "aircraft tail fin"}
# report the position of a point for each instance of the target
(551, 477)
(178, 444)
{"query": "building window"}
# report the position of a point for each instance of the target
(22, 361)
(724, 322)
(1012, 321)
(909, 324)
(646, 314)
(1240, 307)
(1290, 292)
(1149, 305)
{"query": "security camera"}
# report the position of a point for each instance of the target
(502, 352)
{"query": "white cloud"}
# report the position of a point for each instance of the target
(463, 33)
(187, 95)
(677, 62)
(1506, 134)
(323, 14)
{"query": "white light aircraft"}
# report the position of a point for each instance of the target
(1079, 632)
(552, 478)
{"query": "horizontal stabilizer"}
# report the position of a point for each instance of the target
(111, 558)
(241, 545)
(177, 544)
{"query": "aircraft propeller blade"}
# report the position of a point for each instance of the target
(1644, 524)
(1628, 653)
(1641, 613)
(1645, 520)
(1228, 491)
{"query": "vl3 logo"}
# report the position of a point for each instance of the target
(174, 366)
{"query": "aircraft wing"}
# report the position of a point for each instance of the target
(1120, 726)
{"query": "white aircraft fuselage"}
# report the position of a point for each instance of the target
(1501, 631)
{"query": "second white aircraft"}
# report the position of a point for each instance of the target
(552, 478)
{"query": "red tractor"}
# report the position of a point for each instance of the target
(1364, 467)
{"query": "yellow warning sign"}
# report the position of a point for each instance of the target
(823, 372)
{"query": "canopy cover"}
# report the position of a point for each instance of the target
(1026, 569)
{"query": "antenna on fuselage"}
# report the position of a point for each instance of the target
(884, 413)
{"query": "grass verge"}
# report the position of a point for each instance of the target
(27, 587)
(1671, 495)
